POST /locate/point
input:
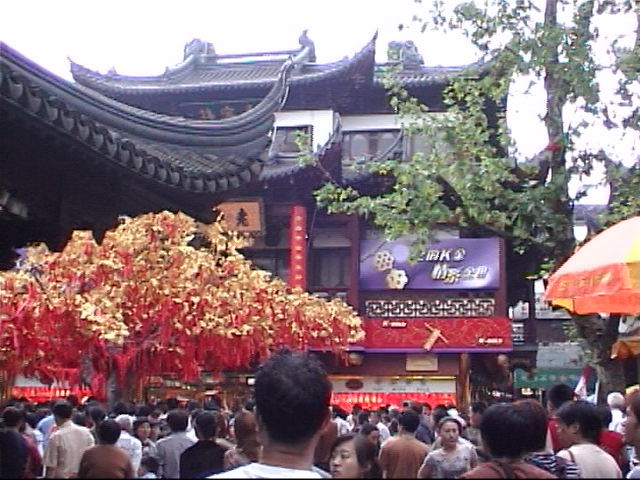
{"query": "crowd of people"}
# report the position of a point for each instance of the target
(290, 430)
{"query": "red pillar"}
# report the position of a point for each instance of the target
(298, 246)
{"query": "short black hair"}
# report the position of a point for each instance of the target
(140, 421)
(293, 394)
(363, 417)
(438, 414)
(585, 415)
(409, 421)
(97, 414)
(178, 419)
(499, 428)
(605, 415)
(478, 407)
(79, 418)
(109, 432)
(12, 416)
(206, 425)
(367, 428)
(559, 394)
(538, 421)
(62, 409)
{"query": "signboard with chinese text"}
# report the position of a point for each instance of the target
(546, 377)
(451, 263)
(243, 215)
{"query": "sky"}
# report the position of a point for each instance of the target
(143, 37)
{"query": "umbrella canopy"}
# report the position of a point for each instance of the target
(603, 275)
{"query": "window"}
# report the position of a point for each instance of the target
(285, 139)
(274, 261)
(359, 147)
(421, 142)
(330, 268)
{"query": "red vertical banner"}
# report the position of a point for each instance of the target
(298, 246)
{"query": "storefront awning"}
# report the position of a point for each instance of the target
(626, 347)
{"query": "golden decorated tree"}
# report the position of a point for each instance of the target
(161, 294)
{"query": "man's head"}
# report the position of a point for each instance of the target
(62, 411)
(178, 419)
(364, 417)
(12, 417)
(206, 426)
(498, 428)
(538, 420)
(409, 421)
(578, 422)
(557, 395)
(293, 395)
(109, 432)
(97, 415)
(476, 409)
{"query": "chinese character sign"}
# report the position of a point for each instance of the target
(243, 215)
(452, 263)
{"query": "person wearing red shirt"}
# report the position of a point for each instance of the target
(608, 440)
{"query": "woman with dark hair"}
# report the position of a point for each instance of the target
(354, 456)
(453, 458)
(536, 436)
(142, 431)
(371, 433)
(503, 431)
(579, 425)
(247, 445)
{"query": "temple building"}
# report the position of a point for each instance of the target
(228, 131)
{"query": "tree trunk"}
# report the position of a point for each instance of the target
(600, 334)
(556, 95)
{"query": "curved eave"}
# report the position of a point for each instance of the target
(190, 77)
(41, 98)
(179, 131)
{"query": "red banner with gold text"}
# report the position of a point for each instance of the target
(438, 334)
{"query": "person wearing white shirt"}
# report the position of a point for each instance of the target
(128, 442)
(292, 394)
(578, 425)
(66, 445)
(376, 419)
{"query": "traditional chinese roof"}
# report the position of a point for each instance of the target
(205, 72)
(351, 85)
(195, 156)
(75, 159)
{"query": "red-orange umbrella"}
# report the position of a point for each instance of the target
(603, 275)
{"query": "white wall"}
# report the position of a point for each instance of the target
(353, 123)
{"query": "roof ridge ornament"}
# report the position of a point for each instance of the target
(198, 47)
(306, 43)
(405, 53)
